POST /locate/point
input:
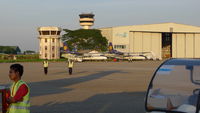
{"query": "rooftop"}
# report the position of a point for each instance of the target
(49, 28)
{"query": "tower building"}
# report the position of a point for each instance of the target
(86, 20)
(49, 39)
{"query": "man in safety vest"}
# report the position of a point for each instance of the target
(45, 65)
(19, 94)
(70, 65)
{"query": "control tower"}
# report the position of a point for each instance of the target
(49, 39)
(86, 20)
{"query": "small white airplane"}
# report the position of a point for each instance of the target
(94, 56)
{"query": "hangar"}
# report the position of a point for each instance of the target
(165, 40)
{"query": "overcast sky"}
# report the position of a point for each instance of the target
(20, 19)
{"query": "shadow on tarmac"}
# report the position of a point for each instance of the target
(66, 72)
(58, 86)
(102, 103)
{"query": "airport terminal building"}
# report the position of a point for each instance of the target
(165, 40)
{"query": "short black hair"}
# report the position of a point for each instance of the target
(17, 68)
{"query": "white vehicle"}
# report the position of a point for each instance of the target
(175, 87)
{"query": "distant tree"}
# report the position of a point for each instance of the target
(29, 52)
(90, 39)
(10, 49)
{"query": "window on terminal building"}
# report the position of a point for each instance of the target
(53, 48)
(53, 40)
(45, 40)
(53, 55)
(45, 47)
(120, 46)
(45, 55)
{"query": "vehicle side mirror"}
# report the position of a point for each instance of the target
(193, 79)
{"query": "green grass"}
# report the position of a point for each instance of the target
(30, 60)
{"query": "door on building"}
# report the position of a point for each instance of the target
(146, 42)
(166, 45)
(186, 45)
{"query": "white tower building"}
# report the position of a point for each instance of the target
(86, 20)
(49, 39)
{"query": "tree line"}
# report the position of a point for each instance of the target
(85, 39)
(9, 49)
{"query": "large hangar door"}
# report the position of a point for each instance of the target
(147, 42)
(178, 45)
(197, 46)
(185, 45)
(137, 42)
(156, 44)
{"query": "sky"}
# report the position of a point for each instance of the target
(20, 19)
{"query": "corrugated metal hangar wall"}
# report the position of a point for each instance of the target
(146, 42)
(165, 40)
(184, 45)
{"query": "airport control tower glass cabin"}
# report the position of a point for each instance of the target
(86, 20)
(49, 39)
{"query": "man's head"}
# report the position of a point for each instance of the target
(16, 71)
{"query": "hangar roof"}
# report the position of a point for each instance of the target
(162, 27)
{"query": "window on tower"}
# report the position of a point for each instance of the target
(86, 21)
(58, 32)
(86, 16)
(45, 33)
(53, 32)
